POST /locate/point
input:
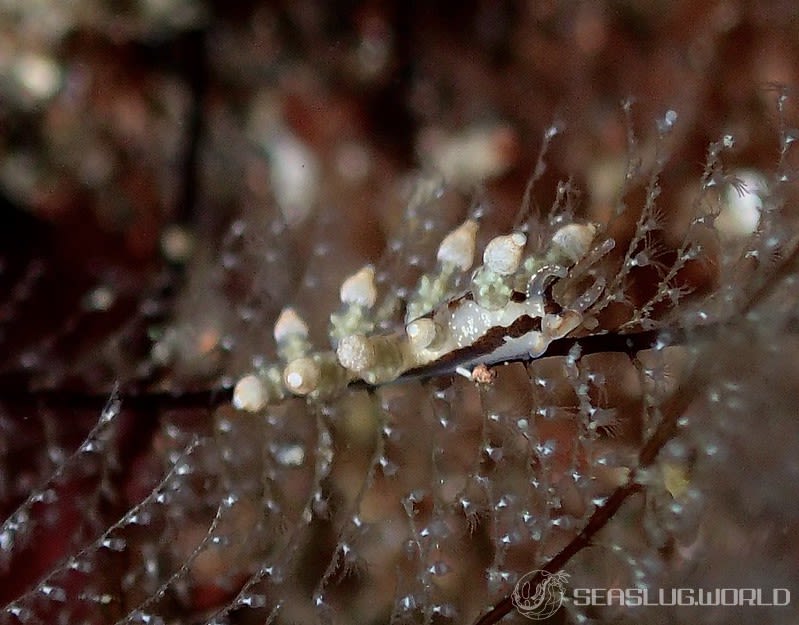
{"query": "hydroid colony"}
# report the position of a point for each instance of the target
(423, 482)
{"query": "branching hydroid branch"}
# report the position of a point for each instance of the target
(671, 412)
(145, 399)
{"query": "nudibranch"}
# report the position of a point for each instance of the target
(506, 311)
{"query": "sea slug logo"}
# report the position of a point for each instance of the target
(539, 599)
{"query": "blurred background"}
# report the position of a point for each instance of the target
(174, 172)
(131, 129)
